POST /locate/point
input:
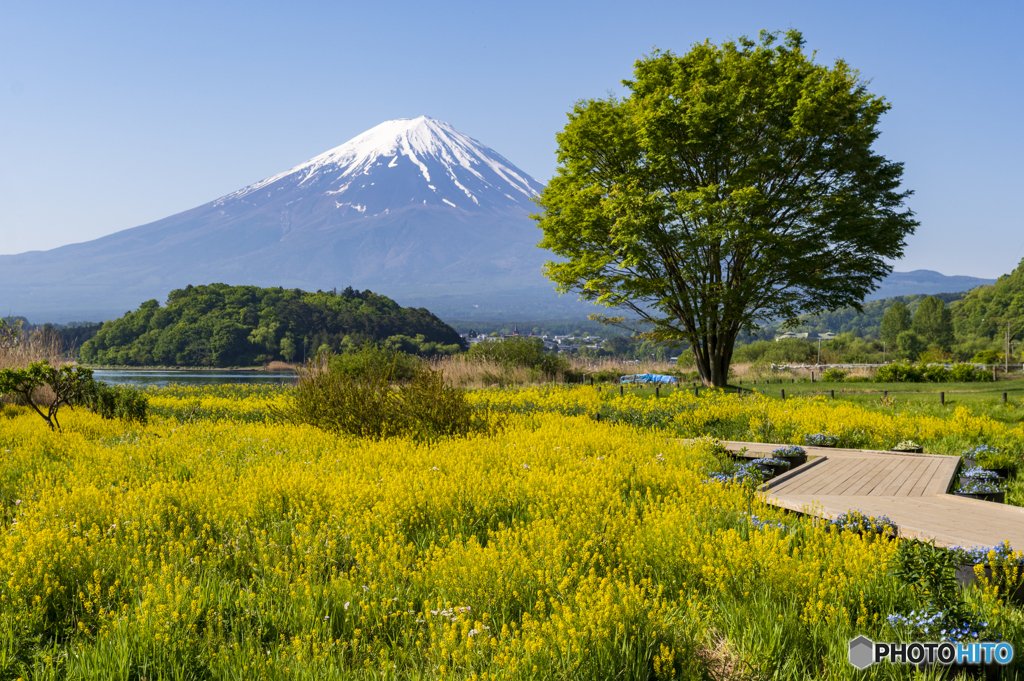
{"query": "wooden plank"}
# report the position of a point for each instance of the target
(812, 480)
(895, 479)
(943, 480)
(923, 482)
(853, 471)
(880, 475)
(912, 477)
(801, 474)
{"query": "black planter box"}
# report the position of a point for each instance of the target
(769, 471)
(794, 461)
(997, 497)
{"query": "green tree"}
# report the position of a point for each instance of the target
(895, 321)
(911, 344)
(288, 349)
(933, 321)
(736, 184)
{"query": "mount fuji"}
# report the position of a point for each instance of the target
(411, 208)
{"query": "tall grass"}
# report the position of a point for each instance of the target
(476, 372)
(34, 347)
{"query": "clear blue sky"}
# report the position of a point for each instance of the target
(114, 114)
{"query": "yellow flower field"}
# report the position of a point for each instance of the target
(217, 542)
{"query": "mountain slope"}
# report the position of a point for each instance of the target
(411, 208)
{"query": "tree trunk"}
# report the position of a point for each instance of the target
(713, 356)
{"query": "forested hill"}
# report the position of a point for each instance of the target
(985, 311)
(220, 325)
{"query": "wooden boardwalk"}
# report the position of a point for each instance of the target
(911, 489)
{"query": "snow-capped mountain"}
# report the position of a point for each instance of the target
(402, 163)
(411, 208)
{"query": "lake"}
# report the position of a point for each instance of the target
(186, 377)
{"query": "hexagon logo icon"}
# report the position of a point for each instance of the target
(862, 652)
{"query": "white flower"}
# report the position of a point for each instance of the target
(347, 603)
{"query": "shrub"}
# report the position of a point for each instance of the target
(371, 403)
(833, 375)
(372, 360)
(115, 401)
(987, 357)
(523, 352)
(934, 373)
(784, 351)
(964, 373)
(898, 372)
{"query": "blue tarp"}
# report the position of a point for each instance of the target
(648, 378)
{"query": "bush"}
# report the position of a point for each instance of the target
(930, 373)
(899, 372)
(785, 351)
(115, 401)
(372, 360)
(833, 375)
(523, 352)
(371, 403)
(987, 357)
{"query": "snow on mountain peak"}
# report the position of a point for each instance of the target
(426, 158)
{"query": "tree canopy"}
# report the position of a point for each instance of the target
(986, 310)
(934, 323)
(895, 321)
(221, 325)
(735, 184)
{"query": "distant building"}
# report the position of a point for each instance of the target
(810, 336)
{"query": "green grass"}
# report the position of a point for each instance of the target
(984, 397)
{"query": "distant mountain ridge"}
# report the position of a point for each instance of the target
(928, 282)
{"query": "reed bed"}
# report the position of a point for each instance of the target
(476, 372)
(36, 347)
